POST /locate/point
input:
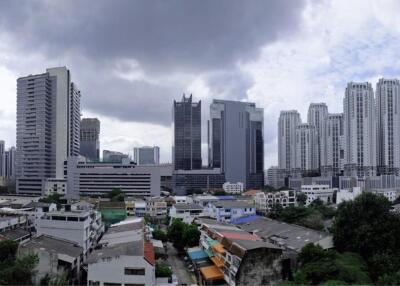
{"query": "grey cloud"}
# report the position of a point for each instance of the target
(160, 35)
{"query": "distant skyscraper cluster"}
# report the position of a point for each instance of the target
(235, 143)
(362, 141)
(7, 161)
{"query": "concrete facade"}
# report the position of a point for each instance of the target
(288, 121)
(236, 141)
(89, 137)
(48, 116)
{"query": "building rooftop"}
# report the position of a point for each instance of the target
(7, 218)
(111, 205)
(14, 234)
(183, 206)
(56, 245)
(233, 204)
(124, 238)
(68, 213)
(288, 235)
(36, 205)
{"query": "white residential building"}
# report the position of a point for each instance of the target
(82, 227)
(186, 212)
(123, 257)
(55, 186)
(182, 199)
(388, 124)
(343, 195)
(322, 192)
(156, 207)
(334, 143)
(288, 121)
(390, 194)
(233, 188)
(11, 222)
(265, 201)
(307, 156)
(317, 114)
(360, 130)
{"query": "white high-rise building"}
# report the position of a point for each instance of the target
(317, 113)
(288, 121)
(360, 129)
(388, 125)
(307, 155)
(147, 155)
(2, 163)
(48, 123)
(334, 143)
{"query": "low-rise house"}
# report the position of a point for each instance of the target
(321, 192)
(291, 238)
(265, 201)
(140, 208)
(123, 257)
(182, 199)
(11, 222)
(156, 208)
(233, 188)
(56, 256)
(204, 200)
(230, 210)
(238, 258)
(19, 235)
(347, 194)
(390, 194)
(186, 212)
(73, 226)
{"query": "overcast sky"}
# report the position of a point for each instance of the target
(131, 59)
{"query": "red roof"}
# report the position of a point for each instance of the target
(240, 236)
(149, 253)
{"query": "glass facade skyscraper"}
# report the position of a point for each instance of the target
(187, 134)
(90, 143)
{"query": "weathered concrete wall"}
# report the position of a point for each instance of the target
(260, 267)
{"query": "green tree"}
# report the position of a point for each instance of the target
(191, 235)
(160, 235)
(51, 199)
(163, 269)
(116, 195)
(329, 267)
(301, 198)
(20, 271)
(389, 279)
(368, 227)
(175, 233)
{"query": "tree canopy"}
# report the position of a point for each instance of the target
(182, 234)
(15, 270)
(368, 227)
(116, 195)
(329, 267)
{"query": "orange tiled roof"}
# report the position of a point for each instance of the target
(218, 247)
(211, 273)
(149, 253)
(217, 261)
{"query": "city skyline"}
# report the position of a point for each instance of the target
(307, 55)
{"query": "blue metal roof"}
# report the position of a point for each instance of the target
(245, 219)
(198, 254)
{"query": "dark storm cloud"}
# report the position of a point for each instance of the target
(164, 37)
(159, 34)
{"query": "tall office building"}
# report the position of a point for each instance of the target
(147, 155)
(388, 125)
(90, 143)
(334, 143)
(9, 163)
(236, 141)
(2, 147)
(288, 121)
(360, 130)
(317, 113)
(307, 153)
(186, 153)
(48, 122)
